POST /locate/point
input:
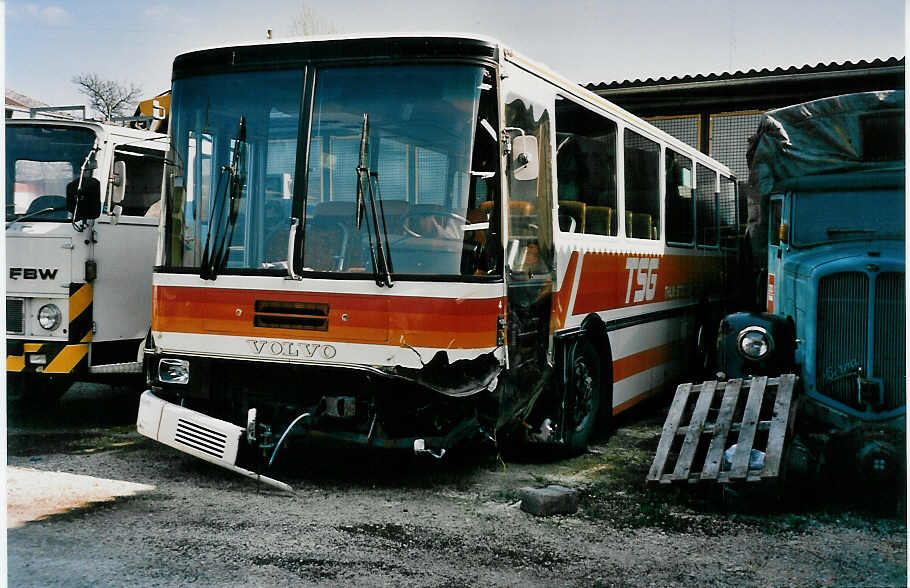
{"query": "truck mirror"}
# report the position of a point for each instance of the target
(118, 181)
(84, 202)
(525, 161)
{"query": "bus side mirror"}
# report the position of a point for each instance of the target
(118, 181)
(84, 202)
(525, 162)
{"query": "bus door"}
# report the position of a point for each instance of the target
(529, 263)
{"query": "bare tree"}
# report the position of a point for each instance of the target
(107, 97)
(308, 22)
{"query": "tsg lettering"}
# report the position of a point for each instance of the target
(643, 273)
(292, 349)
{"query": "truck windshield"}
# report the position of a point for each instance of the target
(823, 217)
(422, 122)
(40, 162)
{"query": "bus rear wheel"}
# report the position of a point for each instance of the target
(583, 391)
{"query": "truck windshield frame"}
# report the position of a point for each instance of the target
(40, 161)
(304, 130)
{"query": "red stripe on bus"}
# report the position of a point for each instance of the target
(564, 296)
(617, 280)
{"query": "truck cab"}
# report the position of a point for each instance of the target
(831, 177)
(81, 230)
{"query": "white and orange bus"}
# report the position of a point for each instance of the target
(408, 241)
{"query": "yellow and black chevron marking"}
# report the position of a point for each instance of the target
(61, 358)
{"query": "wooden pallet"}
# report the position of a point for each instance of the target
(706, 419)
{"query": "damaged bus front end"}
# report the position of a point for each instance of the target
(331, 263)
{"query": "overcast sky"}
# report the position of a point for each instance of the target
(48, 42)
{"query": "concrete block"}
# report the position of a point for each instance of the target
(549, 501)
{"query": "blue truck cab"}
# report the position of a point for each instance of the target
(830, 178)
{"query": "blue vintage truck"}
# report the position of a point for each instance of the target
(831, 253)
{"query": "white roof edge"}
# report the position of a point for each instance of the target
(100, 127)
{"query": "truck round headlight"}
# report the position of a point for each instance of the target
(754, 343)
(49, 317)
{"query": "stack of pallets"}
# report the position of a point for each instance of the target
(726, 431)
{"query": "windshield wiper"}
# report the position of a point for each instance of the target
(214, 258)
(382, 261)
(837, 231)
(36, 213)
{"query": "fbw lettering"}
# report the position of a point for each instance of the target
(32, 273)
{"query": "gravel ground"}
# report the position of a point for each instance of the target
(374, 519)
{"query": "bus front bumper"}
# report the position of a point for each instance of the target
(192, 432)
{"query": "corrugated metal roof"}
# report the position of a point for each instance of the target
(752, 73)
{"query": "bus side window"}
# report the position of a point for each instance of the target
(706, 206)
(585, 170)
(727, 213)
(680, 204)
(642, 168)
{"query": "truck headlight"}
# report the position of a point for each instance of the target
(754, 343)
(49, 317)
(174, 371)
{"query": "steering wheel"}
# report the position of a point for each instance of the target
(430, 213)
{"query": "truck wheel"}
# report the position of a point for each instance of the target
(582, 394)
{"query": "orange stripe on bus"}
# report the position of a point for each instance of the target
(415, 321)
(635, 400)
(638, 362)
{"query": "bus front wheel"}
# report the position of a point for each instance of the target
(583, 389)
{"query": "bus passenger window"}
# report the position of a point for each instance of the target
(680, 203)
(642, 167)
(585, 170)
(706, 206)
(727, 209)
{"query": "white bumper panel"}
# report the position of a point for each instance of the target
(191, 432)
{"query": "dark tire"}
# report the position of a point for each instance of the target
(36, 390)
(702, 361)
(583, 391)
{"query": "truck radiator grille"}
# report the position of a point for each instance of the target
(846, 303)
(15, 322)
(843, 326)
(890, 338)
(201, 438)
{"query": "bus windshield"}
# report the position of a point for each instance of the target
(419, 171)
(40, 162)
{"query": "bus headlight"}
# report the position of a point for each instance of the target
(754, 343)
(49, 317)
(174, 371)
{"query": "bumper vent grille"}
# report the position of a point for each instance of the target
(201, 438)
(15, 313)
(305, 316)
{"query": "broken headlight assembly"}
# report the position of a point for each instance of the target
(754, 343)
(174, 371)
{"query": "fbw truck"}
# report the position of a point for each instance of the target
(81, 229)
